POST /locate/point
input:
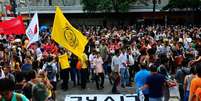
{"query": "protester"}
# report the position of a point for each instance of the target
(31, 80)
(74, 72)
(99, 71)
(84, 71)
(7, 93)
(40, 92)
(124, 69)
(138, 46)
(115, 74)
(180, 76)
(140, 80)
(195, 84)
(50, 67)
(187, 82)
(130, 63)
(155, 82)
(64, 71)
(91, 60)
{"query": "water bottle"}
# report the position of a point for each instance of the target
(141, 95)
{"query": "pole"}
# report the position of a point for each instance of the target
(3, 3)
(3, 11)
(154, 10)
(1, 7)
(165, 21)
(28, 1)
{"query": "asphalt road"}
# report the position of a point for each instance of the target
(91, 89)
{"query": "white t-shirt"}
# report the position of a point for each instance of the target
(39, 53)
(123, 60)
(115, 63)
(91, 59)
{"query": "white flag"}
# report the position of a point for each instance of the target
(32, 31)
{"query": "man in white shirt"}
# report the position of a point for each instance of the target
(130, 63)
(123, 69)
(114, 75)
(115, 62)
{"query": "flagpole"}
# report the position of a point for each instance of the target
(29, 9)
(11, 55)
(3, 11)
(1, 7)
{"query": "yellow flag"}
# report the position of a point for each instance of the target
(67, 36)
(63, 60)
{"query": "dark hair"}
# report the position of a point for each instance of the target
(39, 92)
(153, 68)
(143, 66)
(19, 76)
(49, 59)
(193, 70)
(7, 84)
(198, 69)
(117, 52)
(30, 75)
(185, 62)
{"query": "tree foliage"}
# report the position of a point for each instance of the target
(90, 5)
(182, 4)
(106, 5)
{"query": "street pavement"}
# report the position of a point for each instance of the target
(91, 89)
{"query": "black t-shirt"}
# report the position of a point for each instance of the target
(155, 83)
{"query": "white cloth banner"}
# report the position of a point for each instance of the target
(32, 31)
(111, 97)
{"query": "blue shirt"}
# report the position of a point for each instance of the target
(26, 67)
(140, 79)
(155, 83)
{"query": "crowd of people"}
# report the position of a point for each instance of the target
(148, 56)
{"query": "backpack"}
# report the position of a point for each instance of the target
(50, 71)
(79, 65)
(27, 89)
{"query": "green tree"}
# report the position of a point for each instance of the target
(106, 5)
(121, 5)
(90, 5)
(182, 4)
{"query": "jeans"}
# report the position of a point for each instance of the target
(105, 68)
(131, 73)
(73, 72)
(186, 96)
(181, 92)
(65, 78)
(124, 76)
(84, 73)
(155, 99)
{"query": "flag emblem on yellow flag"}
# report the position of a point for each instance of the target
(67, 36)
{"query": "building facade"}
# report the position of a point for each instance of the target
(140, 11)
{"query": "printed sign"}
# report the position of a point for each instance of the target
(112, 97)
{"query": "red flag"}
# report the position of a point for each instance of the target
(12, 26)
